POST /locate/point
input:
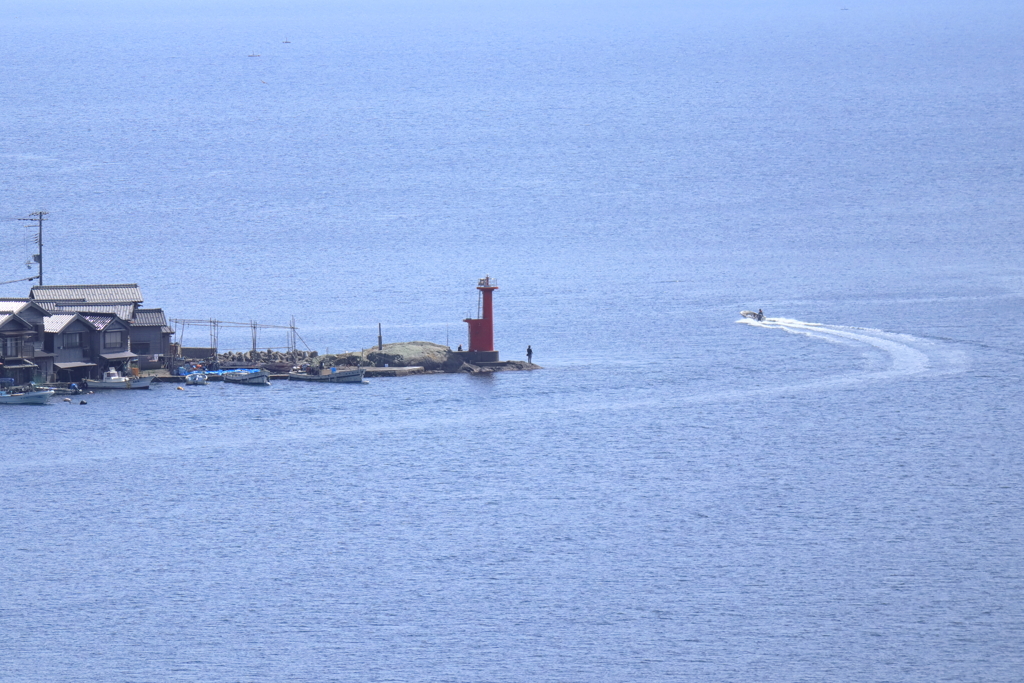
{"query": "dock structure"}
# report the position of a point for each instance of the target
(395, 372)
(214, 327)
(384, 360)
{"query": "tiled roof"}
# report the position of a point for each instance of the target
(97, 294)
(58, 321)
(10, 305)
(8, 317)
(122, 311)
(98, 321)
(146, 317)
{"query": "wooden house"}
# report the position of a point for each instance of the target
(22, 354)
(69, 337)
(148, 336)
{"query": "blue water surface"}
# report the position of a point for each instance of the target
(680, 494)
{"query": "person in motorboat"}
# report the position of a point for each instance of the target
(760, 314)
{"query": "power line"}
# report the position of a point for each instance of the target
(24, 279)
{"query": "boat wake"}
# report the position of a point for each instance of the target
(908, 355)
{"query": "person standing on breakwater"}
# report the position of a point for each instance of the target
(529, 354)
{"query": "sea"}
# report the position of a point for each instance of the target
(835, 493)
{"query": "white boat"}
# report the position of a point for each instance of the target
(26, 398)
(112, 379)
(334, 376)
(195, 378)
(753, 315)
(247, 377)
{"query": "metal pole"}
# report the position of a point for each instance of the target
(38, 258)
(40, 248)
(380, 338)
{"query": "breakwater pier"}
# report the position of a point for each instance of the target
(399, 359)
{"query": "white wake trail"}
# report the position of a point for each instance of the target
(908, 354)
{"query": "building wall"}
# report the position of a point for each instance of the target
(99, 345)
(64, 353)
(150, 340)
(15, 346)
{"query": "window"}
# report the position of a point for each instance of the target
(141, 348)
(112, 340)
(72, 340)
(11, 346)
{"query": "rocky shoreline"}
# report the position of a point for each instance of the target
(428, 356)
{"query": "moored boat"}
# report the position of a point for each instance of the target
(25, 397)
(112, 379)
(195, 378)
(334, 376)
(261, 377)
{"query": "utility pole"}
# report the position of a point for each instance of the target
(38, 258)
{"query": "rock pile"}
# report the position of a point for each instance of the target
(429, 356)
(267, 356)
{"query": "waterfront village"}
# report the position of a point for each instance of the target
(66, 338)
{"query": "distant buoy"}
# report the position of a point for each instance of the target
(82, 403)
(181, 388)
(67, 400)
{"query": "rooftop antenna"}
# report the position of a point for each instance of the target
(38, 258)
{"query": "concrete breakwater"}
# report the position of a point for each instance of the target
(416, 356)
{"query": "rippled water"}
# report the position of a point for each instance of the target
(681, 494)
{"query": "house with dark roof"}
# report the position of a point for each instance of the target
(69, 338)
(110, 341)
(22, 356)
(149, 337)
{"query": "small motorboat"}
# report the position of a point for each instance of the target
(753, 315)
(334, 376)
(36, 398)
(25, 398)
(259, 377)
(195, 378)
(112, 379)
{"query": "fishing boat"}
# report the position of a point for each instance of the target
(112, 379)
(247, 377)
(195, 378)
(25, 397)
(335, 376)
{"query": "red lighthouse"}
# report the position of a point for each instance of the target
(481, 330)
